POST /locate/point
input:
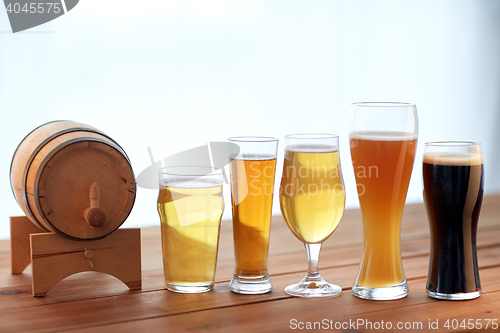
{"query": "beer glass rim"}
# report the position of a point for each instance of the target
(182, 171)
(452, 143)
(383, 104)
(252, 139)
(311, 136)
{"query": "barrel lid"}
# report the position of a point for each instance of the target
(65, 181)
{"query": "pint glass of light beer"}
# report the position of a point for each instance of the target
(253, 169)
(453, 193)
(190, 206)
(383, 140)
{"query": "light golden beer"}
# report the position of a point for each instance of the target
(312, 196)
(382, 162)
(252, 182)
(190, 221)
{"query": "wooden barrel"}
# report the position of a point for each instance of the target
(72, 179)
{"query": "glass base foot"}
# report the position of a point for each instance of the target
(454, 297)
(189, 289)
(250, 285)
(385, 293)
(318, 288)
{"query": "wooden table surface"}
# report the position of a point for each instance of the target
(96, 302)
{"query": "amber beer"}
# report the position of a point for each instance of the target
(453, 193)
(190, 214)
(252, 182)
(252, 165)
(312, 196)
(383, 162)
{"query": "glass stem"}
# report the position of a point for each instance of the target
(313, 262)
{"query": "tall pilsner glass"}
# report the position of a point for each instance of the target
(253, 166)
(383, 140)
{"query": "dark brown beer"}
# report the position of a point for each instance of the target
(453, 193)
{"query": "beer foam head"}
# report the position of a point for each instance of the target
(254, 157)
(312, 148)
(453, 158)
(189, 183)
(190, 176)
(382, 135)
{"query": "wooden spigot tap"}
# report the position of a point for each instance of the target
(94, 215)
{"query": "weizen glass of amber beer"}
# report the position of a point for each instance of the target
(312, 200)
(190, 205)
(383, 140)
(453, 193)
(253, 168)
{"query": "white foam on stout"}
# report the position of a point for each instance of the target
(458, 159)
(382, 135)
(312, 148)
(189, 183)
(255, 157)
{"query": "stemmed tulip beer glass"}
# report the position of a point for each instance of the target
(383, 140)
(312, 201)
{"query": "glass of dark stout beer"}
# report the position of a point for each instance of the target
(453, 193)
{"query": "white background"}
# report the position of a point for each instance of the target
(173, 75)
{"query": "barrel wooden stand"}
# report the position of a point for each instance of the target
(54, 258)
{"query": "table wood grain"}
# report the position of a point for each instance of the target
(96, 302)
